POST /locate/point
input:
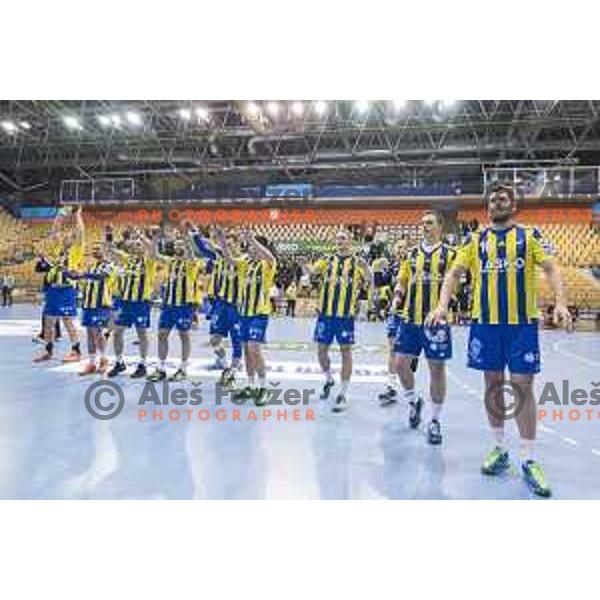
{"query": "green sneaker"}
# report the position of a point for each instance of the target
(534, 476)
(261, 397)
(244, 393)
(179, 375)
(495, 462)
(227, 378)
(157, 375)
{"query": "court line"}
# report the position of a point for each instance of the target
(556, 347)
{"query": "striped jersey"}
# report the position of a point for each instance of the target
(504, 267)
(60, 263)
(138, 278)
(99, 284)
(342, 276)
(422, 272)
(180, 286)
(258, 277)
(224, 283)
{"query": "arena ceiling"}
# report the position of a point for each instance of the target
(45, 142)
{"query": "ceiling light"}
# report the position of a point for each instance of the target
(24, 125)
(134, 118)
(185, 113)
(202, 113)
(297, 108)
(253, 109)
(362, 106)
(104, 120)
(9, 126)
(273, 108)
(72, 122)
(320, 107)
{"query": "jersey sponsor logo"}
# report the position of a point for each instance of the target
(502, 264)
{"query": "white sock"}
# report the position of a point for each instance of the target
(328, 375)
(101, 353)
(409, 395)
(92, 359)
(527, 448)
(162, 365)
(344, 387)
(262, 382)
(251, 381)
(392, 381)
(120, 358)
(184, 365)
(498, 433)
(436, 410)
(142, 361)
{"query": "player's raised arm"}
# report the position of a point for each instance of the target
(224, 245)
(262, 252)
(114, 253)
(150, 241)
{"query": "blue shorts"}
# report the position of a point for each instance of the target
(60, 302)
(134, 314)
(179, 317)
(435, 341)
(254, 329)
(495, 347)
(224, 320)
(340, 328)
(117, 301)
(392, 325)
(95, 317)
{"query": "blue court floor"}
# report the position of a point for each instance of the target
(52, 448)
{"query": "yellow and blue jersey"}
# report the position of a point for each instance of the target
(423, 273)
(224, 282)
(59, 263)
(341, 281)
(504, 267)
(99, 285)
(259, 276)
(138, 277)
(180, 287)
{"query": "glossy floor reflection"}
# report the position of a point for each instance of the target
(51, 448)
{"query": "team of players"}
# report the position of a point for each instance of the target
(501, 258)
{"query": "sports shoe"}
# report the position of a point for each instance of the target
(227, 378)
(179, 375)
(140, 371)
(39, 358)
(534, 476)
(156, 375)
(261, 397)
(326, 390)
(414, 414)
(340, 404)
(495, 462)
(389, 396)
(243, 394)
(118, 368)
(434, 432)
(89, 369)
(72, 357)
